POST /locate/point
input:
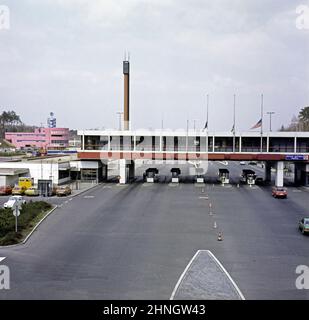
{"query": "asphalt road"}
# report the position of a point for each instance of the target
(134, 241)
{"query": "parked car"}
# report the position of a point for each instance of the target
(279, 192)
(242, 163)
(63, 191)
(18, 190)
(5, 190)
(252, 163)
(32, 192)
(304, 225)
(12, 200)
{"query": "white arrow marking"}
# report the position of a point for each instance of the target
(2, 258)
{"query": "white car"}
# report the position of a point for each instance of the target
(242, 163)
(10, 203)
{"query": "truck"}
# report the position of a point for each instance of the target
(25, 182)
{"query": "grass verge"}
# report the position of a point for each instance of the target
(31, 214)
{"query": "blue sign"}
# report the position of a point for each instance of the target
(296, 158)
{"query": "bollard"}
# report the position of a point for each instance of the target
(210, 207)
(238, 185)
(220, 237)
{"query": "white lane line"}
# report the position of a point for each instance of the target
(183, 275)
(2, 258)
(220, 266)
(227, 274)
(204, 198)
(88, 197)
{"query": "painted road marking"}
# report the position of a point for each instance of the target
(183, 275)
(2, 258)
(88, 197)
(227, 274)
(206, 278)
(204, 198)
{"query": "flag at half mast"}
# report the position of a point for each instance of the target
(258, 125)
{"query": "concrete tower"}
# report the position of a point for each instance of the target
(126, 113)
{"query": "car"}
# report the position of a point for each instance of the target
(63, 191)
(279, 192)
(18, 190)
(242, 163)
(304, 225)
(5, 190)
(252, 163)
(32, 192)
(10, 203)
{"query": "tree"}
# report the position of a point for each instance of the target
(8, 119)
(304, 114)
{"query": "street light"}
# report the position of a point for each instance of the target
(120, 113)
(270, 115)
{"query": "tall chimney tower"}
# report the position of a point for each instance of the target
(126, 113)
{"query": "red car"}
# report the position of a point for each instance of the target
(5, 190)
(279, 192)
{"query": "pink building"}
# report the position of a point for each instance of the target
(46, 138)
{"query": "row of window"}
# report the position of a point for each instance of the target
(31, 140)
(60, 141)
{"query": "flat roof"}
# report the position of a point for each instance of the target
(192, 133)
(52, 159)
(13, 171)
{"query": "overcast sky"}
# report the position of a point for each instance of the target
(66, 56)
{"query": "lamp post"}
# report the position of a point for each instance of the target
(270, 113)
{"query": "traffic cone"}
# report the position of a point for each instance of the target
(220, 237)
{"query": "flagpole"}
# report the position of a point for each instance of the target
(234, 124)
(262, 116)
(207, 118)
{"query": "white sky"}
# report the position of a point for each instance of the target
(66, 56)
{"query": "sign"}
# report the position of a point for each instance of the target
(16, 209)
(296, 158)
